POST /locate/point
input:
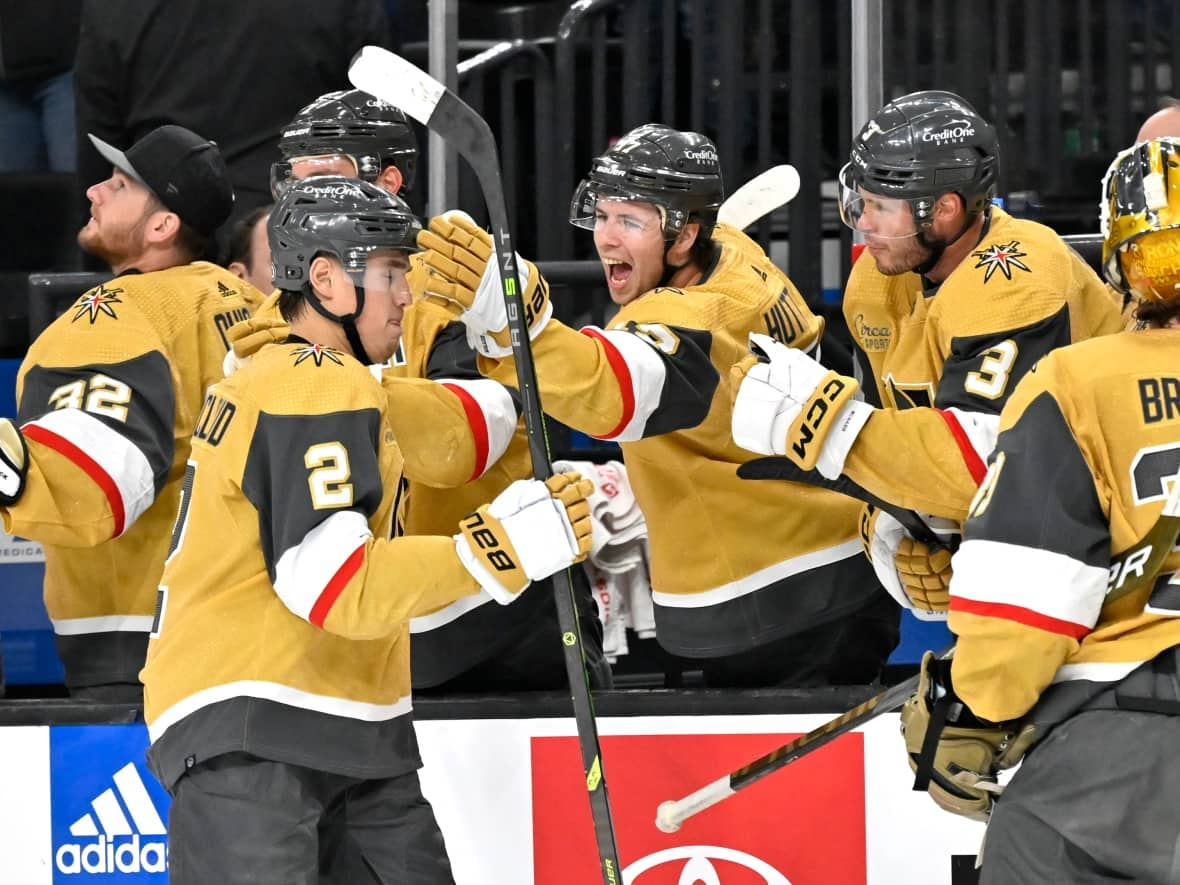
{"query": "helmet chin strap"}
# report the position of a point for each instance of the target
(348, 321)
(938, 247)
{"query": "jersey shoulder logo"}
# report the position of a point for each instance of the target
(225, 291)
(97, 301)
(318, 353)
(1002, 257)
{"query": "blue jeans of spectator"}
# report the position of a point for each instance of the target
(37, 125)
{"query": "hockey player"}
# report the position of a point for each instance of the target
(759, 585)
(470, 645)
(108, 396)
(1054, 645)
(277, 684)
(950, 304)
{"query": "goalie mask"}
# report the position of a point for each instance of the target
(678, 172)
(342, 217)
(1141, 221)
(352, 126)
(914, 150)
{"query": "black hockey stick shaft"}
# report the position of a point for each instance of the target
(777, 467)
(391, 78)
(672, 814)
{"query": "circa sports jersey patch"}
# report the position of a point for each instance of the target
(97, 301)
(1002, 257)
(318, 353)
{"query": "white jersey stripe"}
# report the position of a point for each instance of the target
(127, 466)
(303, 572)
(282, 694)
(648, 375)
(498, 411)
(981, 430)
(1050, 584)
(105, 624)
(449, 613)
(760, 579)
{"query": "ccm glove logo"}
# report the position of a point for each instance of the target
(807, 432)
(480, 534)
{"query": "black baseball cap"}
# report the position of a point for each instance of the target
(183, 169)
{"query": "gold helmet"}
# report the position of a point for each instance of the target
(1141, 221)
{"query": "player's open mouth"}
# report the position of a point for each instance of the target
(617, 272)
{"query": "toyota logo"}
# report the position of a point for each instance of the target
(698, 868)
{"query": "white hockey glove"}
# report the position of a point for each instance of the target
(14, 462)
(789, 404)
(463, 279)
(916, 576)
(531, 530)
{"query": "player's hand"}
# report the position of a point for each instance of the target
(14, 462)
(531, 530)
(967, 752)
(247, 337)
(925, 574)
(463, 275)
(913, 574)
(789, 404)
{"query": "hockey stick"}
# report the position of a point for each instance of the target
(759, 196)
(775, 467)
(393, 79)
(1145, 558)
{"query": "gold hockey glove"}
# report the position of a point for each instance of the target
(925, 574)
(915, 576)
(531, 530)
(14, 462)
(789, 404)
(464, 277)
(954, 755)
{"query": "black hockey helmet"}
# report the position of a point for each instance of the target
(371, 131)
(919, 147)
(343, 217)
(679, 172)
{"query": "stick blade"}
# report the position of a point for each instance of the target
(762, 194)
(389, 77)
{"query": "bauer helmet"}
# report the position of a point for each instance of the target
(678, 172)
(343, 217)
(917, 148)
(373, 133)
(1141, 221)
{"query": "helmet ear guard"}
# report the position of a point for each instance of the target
(1141, 221)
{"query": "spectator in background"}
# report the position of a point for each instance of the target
(37, 45)
(201, 64)
(1163, 123)
(249, 252)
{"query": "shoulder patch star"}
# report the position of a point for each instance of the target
(318, 353)
(1002, 257)
(97, 301)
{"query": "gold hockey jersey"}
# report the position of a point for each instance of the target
(734, 564)
(462, 444)
(1088, 444)
(282, 625)
(943, 365)
(107, 397)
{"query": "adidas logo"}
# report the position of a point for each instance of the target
(121, 845)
